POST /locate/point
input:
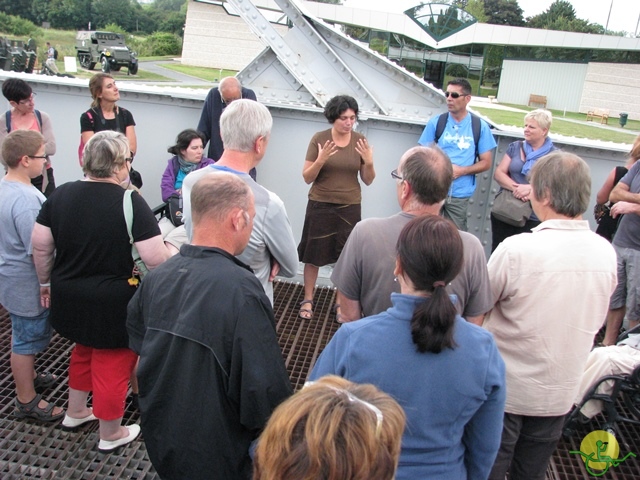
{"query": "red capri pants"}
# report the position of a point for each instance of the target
(106, 373)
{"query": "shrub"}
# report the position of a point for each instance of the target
(162, 43)
(115, 28)
(457, 70)
(17, 26)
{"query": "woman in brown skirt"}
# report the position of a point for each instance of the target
(334, 158)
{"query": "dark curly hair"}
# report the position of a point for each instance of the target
(338, 105)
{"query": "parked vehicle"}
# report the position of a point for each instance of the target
(107, 49)
(17, 55)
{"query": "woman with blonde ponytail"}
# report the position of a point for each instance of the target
(446, 373)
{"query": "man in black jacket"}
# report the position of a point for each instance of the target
(211, 370)
(228, 90)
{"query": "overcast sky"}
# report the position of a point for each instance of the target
(624, 13)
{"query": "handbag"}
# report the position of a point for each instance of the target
(174, 210)
(607, 225)
(140, 268)
(510, 210)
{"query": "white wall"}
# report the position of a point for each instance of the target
(162, 112)
(213, 38)
(561, 83)
(614, 87)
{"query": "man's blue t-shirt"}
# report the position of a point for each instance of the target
(457, 142)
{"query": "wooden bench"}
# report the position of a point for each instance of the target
(538, 100)
(600, 113)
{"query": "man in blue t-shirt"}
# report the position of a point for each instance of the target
(457, 140)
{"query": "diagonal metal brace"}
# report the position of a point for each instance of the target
(312, 61)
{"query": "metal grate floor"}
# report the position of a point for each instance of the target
(29, 450)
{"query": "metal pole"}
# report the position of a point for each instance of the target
(606, 28)
(637, 23)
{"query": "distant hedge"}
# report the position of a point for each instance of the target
(17, 26)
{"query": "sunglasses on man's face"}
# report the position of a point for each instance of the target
(454, 94)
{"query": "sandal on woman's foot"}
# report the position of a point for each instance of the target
(44, 380)
(32, 410)
(306, 313)
(338, 315)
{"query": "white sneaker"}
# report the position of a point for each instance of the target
(70, 423)
(107, 446)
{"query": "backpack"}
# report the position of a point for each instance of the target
(475, 127)
(55, 54)
(134, 176)
(7, 117)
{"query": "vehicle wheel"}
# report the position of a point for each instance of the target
(106, 68)
(116, 68)
(85, 61)
(133, 68)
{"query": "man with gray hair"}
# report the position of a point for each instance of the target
(218, 99)
(551, 291)
(211, 371)
(245, 127)
(363, 274)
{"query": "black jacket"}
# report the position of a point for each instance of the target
(211, 370)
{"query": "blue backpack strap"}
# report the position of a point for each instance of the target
(440, 126)
(7, 116)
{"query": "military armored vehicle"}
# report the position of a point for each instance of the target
(17, 56)
(107, 49)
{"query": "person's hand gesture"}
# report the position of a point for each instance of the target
(365, 151)
(325, 151)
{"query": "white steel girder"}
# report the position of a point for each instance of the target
(313, 62)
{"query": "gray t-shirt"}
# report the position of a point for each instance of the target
(628, 233)
(364, 270)
(19, 287)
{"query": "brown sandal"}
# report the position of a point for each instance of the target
(306, 313)
(32, 410)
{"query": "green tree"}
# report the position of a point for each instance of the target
(562, 16)
(18, 8)
(476, 8)
(504, 12)
(65, 14)
(168, 5)
(114, 11)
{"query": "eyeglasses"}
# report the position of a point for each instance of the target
(454, 94)
(395, 175)
(44, 157)
(31, 99)
(128, 159)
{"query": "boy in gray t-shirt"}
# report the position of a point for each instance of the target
(20, 293)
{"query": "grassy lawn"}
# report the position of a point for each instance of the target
(209, 74)
(563, 127)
